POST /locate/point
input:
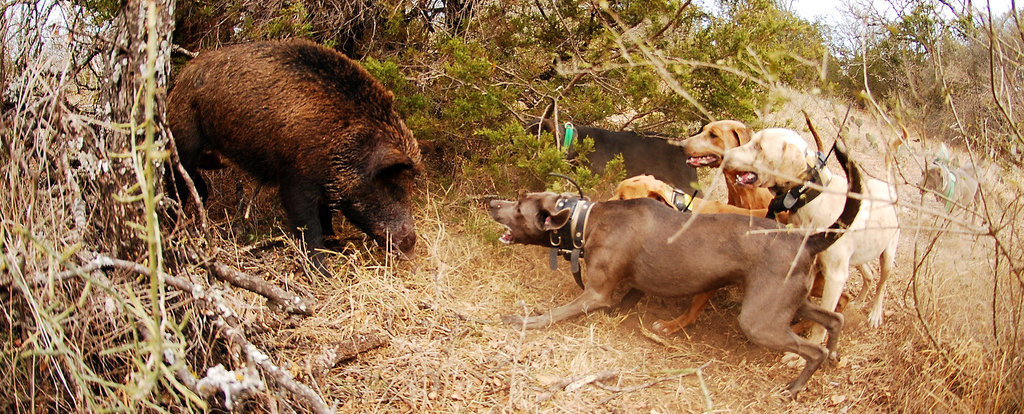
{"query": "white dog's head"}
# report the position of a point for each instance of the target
(774, 158)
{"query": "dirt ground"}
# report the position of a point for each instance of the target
(445, 350)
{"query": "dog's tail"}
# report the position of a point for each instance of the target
(814, 133)
(818, 242)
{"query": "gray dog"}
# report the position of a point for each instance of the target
(627, 241)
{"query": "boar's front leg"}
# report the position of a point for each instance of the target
(302, 202)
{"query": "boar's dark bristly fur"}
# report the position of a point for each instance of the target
(309, 120)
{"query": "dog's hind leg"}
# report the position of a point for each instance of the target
(765, 319)
(770, 328)
(869, 281)
(832, 321)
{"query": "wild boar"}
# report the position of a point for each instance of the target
(309, 120)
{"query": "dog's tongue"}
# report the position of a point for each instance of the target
(747, 178)
(701, 161)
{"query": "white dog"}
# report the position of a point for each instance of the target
(779, 159)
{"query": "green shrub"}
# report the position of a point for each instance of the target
(521, 161)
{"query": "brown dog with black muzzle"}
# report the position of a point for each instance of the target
(661, 251)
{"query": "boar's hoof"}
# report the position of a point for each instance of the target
(316, 259)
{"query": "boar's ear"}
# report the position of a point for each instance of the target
(389, 159)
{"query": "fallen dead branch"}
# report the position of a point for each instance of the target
(332, 354)
(277, 298)
(617, 391)
(573, 383)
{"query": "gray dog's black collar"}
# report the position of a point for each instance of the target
(568, 239)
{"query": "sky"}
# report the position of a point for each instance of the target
(829, 9)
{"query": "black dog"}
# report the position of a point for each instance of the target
(651, 154)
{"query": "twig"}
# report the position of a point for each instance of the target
(573, 383)
(620, 391)
(263, 244)
(331, 355)
(277, 298)
(704, 386)
(186, 52)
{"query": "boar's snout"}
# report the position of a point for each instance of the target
(401, 236)
(407, 241)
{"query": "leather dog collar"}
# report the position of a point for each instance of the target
(568, 239)
(796, 197)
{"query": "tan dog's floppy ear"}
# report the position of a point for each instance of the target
(657, 195)
(743, 134)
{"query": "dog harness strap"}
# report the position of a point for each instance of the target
(568, 239)
(579, 226)
(574, 266)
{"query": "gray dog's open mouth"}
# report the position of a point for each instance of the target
(747, 178)
(703, 161)
(507, 238)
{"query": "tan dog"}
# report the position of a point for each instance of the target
(707, 149)
(646, 186)
(778, 158)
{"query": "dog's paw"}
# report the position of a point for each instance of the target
(514, 320)
(665, 327)
(790, 392)
(875, 318)
(835, 360)
(793, 360)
